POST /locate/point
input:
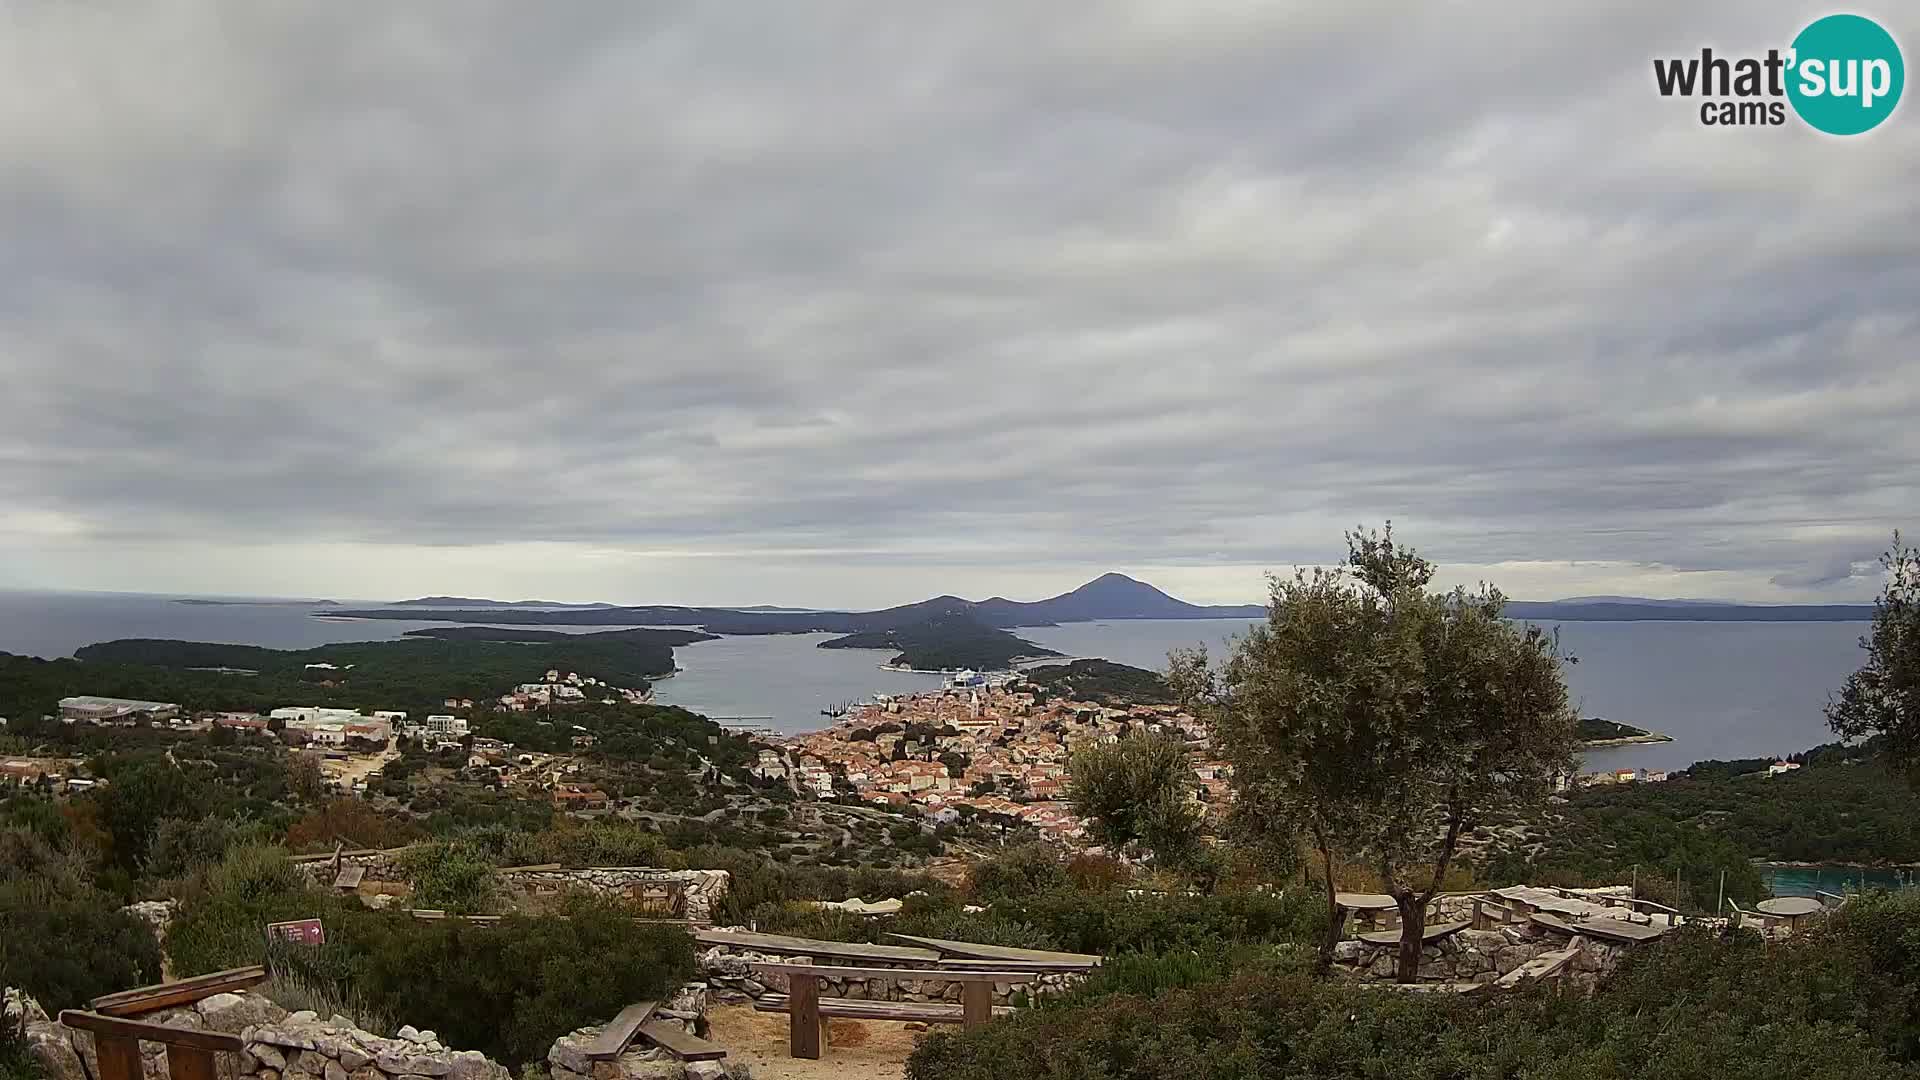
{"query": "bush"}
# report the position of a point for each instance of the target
(64, 944)
(1831, 1005)
(181, 846)
(15, 1062)
(1018, 873)
(451, 876)
(508, 989)
(1122, 921)
(352, 822)
(226, 907)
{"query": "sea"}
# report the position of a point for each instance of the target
(1721, 690)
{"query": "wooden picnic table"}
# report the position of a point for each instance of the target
(974, 951)
(798, 946)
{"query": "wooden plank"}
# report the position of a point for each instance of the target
(118, 1056)
(180, 991)
(349, 877)
(974, 951)
(1430, 934)
(976, 1004)
(930, 1012)
(669, 1034)
(616, 1035)
(189, 1063)
(955, 963)
(766, 967)
(794, 946)
(803, 1017)
(1544, 966)
(114, 1026)
(1604, 929)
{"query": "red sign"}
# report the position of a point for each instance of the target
(298, 931)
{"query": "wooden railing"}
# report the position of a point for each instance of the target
(116, 1043)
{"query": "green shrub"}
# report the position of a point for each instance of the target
(64, 943)
(1121, 920)
(226, 907)
(1831, 1005)
(15, 1062)
(1017, 874)
(508, 989)
(453, 876)
(181, 846)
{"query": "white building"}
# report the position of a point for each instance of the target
(454, 726)
(315, 714)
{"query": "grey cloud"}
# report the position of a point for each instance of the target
(1149, 283)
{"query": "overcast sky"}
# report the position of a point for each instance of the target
(857, 303)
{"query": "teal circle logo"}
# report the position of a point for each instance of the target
(1846, 74)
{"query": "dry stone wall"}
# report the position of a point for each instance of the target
(731, 978)
(1476, 956)
(700, 890)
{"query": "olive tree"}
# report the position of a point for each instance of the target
(1383, 721)
(1883, 697)
(1137, 794)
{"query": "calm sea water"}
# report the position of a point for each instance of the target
(1720, 689)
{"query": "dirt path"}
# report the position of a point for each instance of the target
(357, 767)
(856, 1050)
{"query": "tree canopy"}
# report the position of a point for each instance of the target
(1137, 794)
(1385, 720)
(1883, 697)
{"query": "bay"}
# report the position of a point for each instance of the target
(1722, 690)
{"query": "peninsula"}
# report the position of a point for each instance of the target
(1596, 732)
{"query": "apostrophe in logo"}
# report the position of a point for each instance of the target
(1842, 75)
(1846, 74)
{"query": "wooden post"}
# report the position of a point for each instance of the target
(976, 1004)
(1721, 903)
(189, 1062)
(803, 1020)
(119, 1056)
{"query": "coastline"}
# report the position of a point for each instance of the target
(1630, 740)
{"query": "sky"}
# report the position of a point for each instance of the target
(852, 304)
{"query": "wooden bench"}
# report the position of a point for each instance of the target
(146, 999)
(1428, 934)
(808, 1012)
(637, 1020)
(116, 1044)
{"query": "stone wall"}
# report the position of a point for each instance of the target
(1477, 956)
(732, 980)
(699, 890)
(300, 1046)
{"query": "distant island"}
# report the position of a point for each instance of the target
(948, 641)
(1108, 597)
(1597, 732)
(560, 637)
(257, 603)
(1103, 681)
(470, 602)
